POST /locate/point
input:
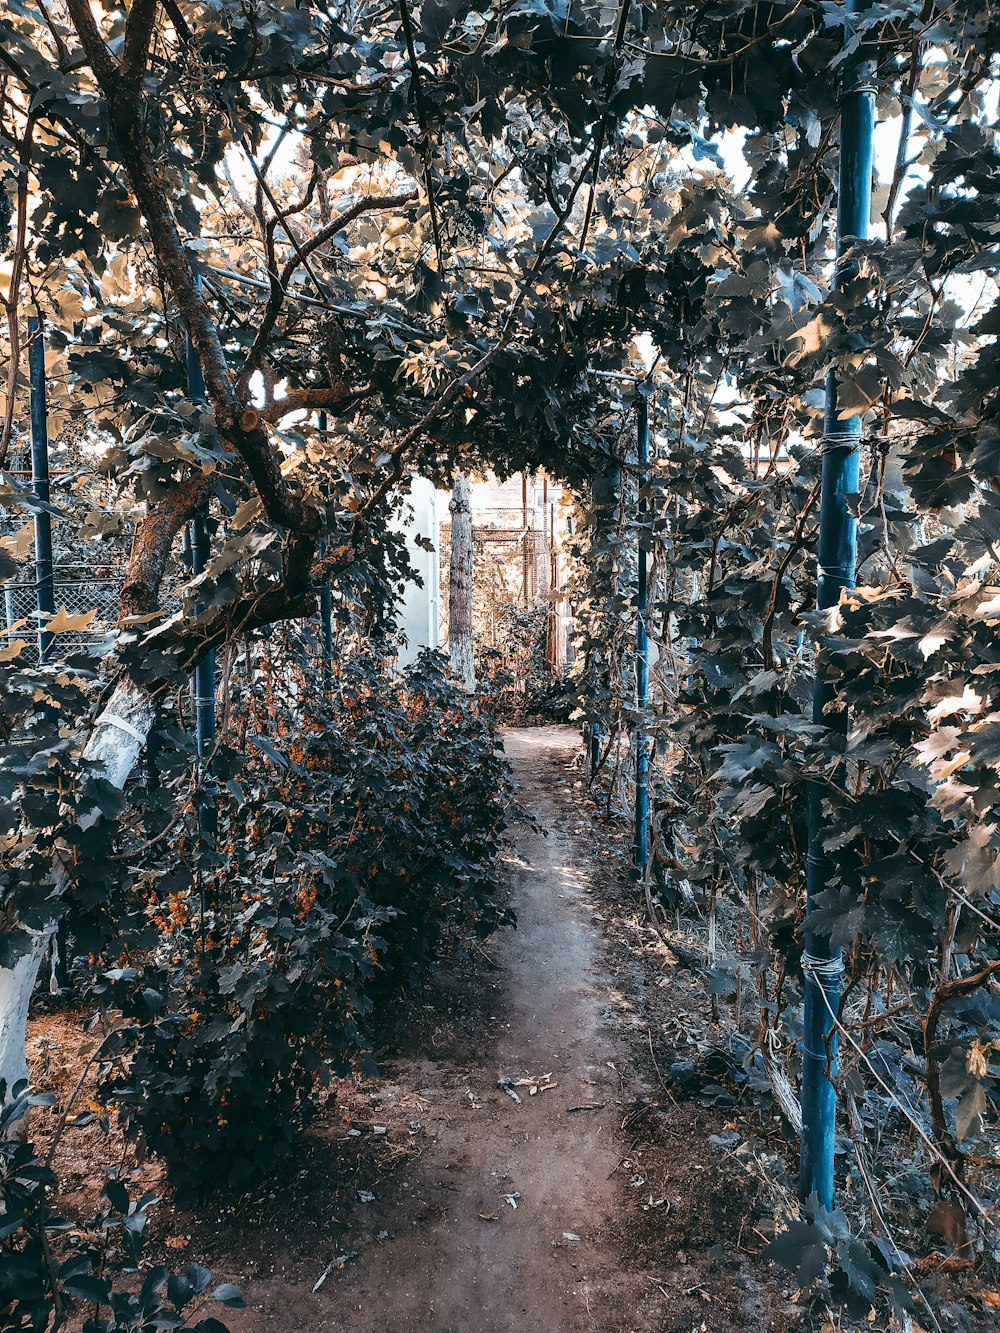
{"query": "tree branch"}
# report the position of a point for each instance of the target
(173, 12)
(11, 303)
(796, 544)
(135, 54)
(335, 398)
(425, 139)
(101, 61)
(291, 598)
(947, 990)
(455, 387)
(602, 128)
(901, 165)
(370, 204)
(152, 541)
(303, 249)
(239, 426)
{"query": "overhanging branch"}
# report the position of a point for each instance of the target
(285, 505)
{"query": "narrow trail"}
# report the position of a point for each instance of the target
(523, 1270)
(432, 1201)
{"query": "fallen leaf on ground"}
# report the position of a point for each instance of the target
(341, 1261)
(508, 1085)
(535, 1085)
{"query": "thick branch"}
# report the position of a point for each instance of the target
(291, 598)
(101, 62)
(173, 12)
(334, 398)
(303, 249)
(11, 303)
(135, 54)
(154, 537)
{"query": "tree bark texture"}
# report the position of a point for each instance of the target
(463, 667)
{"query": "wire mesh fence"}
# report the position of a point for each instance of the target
(85, 578)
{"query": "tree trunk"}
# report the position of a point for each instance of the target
(114, 745)
(25, 952)
(463, 667)
(119, 735)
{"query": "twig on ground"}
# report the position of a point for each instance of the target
(625, 1156)
(659, 1076)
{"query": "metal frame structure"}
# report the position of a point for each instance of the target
(45, 600)
(837, 557)
(642, 648)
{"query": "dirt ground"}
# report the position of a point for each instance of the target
(433, 1199)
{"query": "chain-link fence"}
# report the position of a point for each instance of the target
(85, 578)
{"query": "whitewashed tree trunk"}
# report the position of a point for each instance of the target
(463, 667)
(16, 984)
(115, 743)
(119, 735)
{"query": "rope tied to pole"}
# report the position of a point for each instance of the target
(822, 970)
(832, 440)
(825, 974)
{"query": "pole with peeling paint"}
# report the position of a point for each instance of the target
(642, 649)
(204, 672)
(837, 558)
(326, 600)
(45, 593)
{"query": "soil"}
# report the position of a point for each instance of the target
(432, 1199)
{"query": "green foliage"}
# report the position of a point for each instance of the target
(50, 1271)
(562, 189)
(753, 330)
(516, 675)
(357, 840)
(830, 1261)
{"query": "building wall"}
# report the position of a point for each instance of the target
(418, 611)
(516, 550)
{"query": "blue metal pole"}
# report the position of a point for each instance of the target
(642, 654)
(44, 577)
(326, 606)
(204, 672)
(45, 591)
(837, 555)
(605, 493)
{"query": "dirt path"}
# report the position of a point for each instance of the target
(430, 1200)
(525, 1269)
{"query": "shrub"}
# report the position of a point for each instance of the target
(421, 799)
(517, 678)
(50, 1271)
(357, 840)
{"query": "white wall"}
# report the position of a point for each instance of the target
(418, 611)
